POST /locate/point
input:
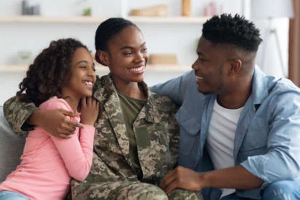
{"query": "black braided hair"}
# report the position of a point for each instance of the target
(49, 71)
(107, 30)
(238, 31)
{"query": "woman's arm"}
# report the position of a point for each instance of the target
(17, 114)
(22, 117)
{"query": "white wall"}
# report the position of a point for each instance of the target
(161, 38)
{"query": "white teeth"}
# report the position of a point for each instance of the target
(88, 83)
(137, 69)
(199, 77)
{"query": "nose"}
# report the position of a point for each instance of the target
(195, 65)
(139, 57)
(91, 72)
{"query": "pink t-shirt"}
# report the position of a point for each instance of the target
(48, 162)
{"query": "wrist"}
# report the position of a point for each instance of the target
(87, 123)
(205, 180)
(34, 118)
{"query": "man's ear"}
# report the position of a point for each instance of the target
(235, 66)
(103, 57)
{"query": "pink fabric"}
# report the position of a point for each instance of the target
(48, 163)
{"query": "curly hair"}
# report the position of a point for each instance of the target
(107, 30)
(49, 71)
(238, 31)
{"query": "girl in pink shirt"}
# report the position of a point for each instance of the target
(62, 76)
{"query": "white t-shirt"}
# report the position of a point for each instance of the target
(220, 139)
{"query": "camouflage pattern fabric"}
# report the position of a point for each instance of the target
(112, 175)
(130, 190)
(16, 114)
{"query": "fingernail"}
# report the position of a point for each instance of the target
(80, 125)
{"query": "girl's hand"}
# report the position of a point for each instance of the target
(89, 110)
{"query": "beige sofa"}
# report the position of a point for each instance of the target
(11, 148)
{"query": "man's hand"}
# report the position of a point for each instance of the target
(183, 178)
(233, 177)
(56, 122)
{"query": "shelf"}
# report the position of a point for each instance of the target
(96, 20)
(175, 20)
(99, 68)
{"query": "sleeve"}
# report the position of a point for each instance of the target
(174, 134)
(77, 153)
(282, 161)
(175, 88)
(17, 113)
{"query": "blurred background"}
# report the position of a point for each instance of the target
(171, 28)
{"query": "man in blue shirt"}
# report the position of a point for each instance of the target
(240, 129)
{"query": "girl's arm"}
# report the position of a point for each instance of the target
(77, 151)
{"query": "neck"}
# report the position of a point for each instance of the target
(130, 89)
(72, 102)
(238, 96)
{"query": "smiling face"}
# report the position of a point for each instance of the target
(83, 75)
(211, 68)
(127, 56)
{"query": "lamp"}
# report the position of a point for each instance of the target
(270, 9)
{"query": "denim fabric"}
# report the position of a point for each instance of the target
(283, 190)
(267, 135)
(8, 195)
(234, 197)
(280, 190)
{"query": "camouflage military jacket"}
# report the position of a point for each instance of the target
(156, 122)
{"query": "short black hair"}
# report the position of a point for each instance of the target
(49, 71)
(108, 29)
(238, 31)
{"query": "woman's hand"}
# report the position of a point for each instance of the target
(56, 122)
(89, 110)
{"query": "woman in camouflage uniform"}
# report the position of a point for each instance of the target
(136, 142)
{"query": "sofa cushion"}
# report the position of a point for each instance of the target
(11, 147)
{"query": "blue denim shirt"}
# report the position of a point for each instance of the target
(267, 140)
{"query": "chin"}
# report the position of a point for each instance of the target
(138, 79)
(88, 94)
(203, 91)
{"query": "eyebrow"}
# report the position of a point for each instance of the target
(200, 54)
(83, 61)
(129, 47)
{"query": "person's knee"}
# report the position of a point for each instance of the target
(280, 190)
(179, 194)
(149, 192)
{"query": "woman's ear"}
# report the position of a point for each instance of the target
(103, 58)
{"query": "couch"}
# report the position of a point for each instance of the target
(11, 147)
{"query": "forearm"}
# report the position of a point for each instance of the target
(36, 118)
(17, 114)
(235, 177)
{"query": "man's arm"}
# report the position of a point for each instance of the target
(176, 87)
(235, 177)
(22, 117)
(282, 161)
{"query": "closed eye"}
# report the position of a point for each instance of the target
(127, 53)
(144, 50)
